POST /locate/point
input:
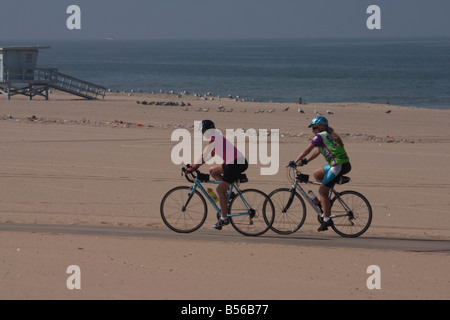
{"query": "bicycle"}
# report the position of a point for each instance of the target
(350, 210)
(184, 210)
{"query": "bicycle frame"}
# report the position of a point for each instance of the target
(198, 185)
(296, 185)
(351, 211)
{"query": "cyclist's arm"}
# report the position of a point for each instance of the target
(202, 160)
(305, 152)
(314, 155)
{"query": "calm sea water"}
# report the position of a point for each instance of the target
(407, 72)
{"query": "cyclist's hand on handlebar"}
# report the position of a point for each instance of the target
(189, 172)
(303, 162)
(189, 169)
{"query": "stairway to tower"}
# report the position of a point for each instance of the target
(69, 84)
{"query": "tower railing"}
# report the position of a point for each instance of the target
(54, 79)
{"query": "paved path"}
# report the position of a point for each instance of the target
(297, 239)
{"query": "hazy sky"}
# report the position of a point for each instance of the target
(217, 19)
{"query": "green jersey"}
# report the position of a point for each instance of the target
(333, 153)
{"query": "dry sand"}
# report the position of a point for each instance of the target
(88, 162)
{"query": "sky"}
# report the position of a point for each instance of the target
(222, 19)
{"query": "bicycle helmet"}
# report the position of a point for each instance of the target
(206, 125)
(318, 120)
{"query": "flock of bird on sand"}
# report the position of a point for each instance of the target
(209, 96)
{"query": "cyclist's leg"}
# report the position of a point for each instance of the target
(216, 172)
(320, 173)
(332, 174)
(328, 182)
(231, 173)
(222, 190)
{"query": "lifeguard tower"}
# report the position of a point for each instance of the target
(19, 75)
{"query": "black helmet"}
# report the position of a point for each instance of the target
(206, 125)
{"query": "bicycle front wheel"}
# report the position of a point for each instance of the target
(256, 220)
(182, 210)
(352, 214)
(290, 211)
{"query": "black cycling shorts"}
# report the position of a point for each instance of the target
(232, 171)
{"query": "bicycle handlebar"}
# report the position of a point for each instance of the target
(292, 172)
(190, 176)
(295, 165)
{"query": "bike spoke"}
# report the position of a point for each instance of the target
(182, 211)
(290, 220)
(257, 218)
(351, 223)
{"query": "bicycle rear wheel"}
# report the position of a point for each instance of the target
(183, 211)
(261, 215)
(290, 211)
(352, 214)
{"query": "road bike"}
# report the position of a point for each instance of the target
(184, 209)
(350, 210)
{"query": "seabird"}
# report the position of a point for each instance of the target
(300, 111)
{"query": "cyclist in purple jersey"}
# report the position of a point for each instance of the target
(227, 172)
(330, 145)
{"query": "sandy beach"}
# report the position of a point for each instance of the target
(69, 161)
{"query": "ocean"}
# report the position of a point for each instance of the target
(406, 72)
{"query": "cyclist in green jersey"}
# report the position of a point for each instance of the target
(330, 145)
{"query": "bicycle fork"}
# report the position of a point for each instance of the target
(291, 198)
(183, 208)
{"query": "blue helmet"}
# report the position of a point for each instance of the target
(206, 125)
(317, 121)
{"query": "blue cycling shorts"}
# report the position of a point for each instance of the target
(333, 173)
